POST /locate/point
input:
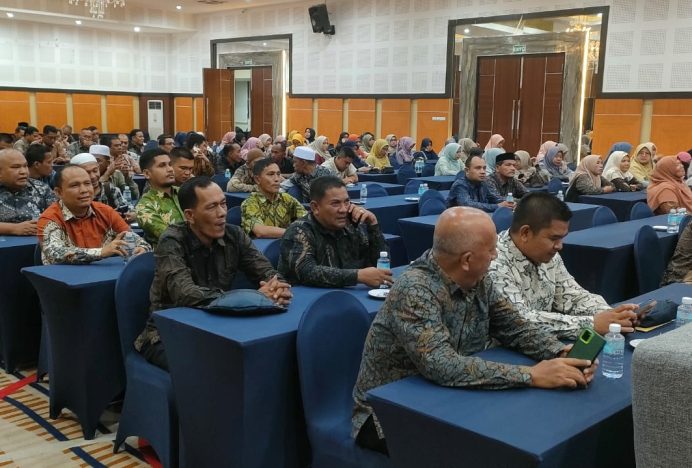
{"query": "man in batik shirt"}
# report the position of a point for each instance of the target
(305, 171)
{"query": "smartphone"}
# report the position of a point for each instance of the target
(645, 308)
(588, 345)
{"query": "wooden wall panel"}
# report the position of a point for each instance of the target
(120, 113)
(15, 108)
(51, 109)
(183, 114)
(361, 116)
(616, 120)
(437, 130)
(671, 133)
(199, 114)
(299, 114)
(86, 111)
(330, 114)
(396, 117)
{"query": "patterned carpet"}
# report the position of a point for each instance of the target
(29, 438)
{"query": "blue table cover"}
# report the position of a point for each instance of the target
(378, 178)
(620, 202)
(438, 182)
(141, 181)
(430, 425)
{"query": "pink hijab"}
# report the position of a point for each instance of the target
(495, 141)
(543, 150)
(251, 143)
(228, 138)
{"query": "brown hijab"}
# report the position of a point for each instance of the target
(665, 185)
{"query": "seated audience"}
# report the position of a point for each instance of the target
(82, 144)
(679, 269)
(182, 162)
(617, 171)
(467, 144)
(404, 150)
(22, 199)
(543, 150)
(197, 261)
(250, 144)
(503, 181)
(444, 309)
(342, 166)
(67, 134)
(367, 139)
(427, 150)
(50, 140)
(125, 148)
(587, 179)
(393, 143)
(30, 135)
(136, 141)
(229, 158)
(6, 141)
(76, 229)
(159, 207)
(472, 189)
(530, 273)
(166, 143)
(279, 156)
(378, 155)
(321, 148)
(268, 212)
(305, 171)
(265, 143)
(667, 189)
(336, 245)
(243, 179)
(642, 163)
(490, 156)
(295, 141)
(40, 162)
(227, 139)
(554, 163)
(105, 156)
(495, 141)
(530, 173)
(624, 146)
(199, 147)
(104, 192)
(449, 162)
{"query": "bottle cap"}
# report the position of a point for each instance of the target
(614, 328)
(672, 210)
(384, 254)
(687, 300)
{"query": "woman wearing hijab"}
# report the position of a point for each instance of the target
(227, 139)
(353, 138)
(489, 156)
(378, 155)
(202, 165)
(343, 138)
(321, 147)
(588, 180)
(449, 162)
(617, 171)
(366, 140)
(685, 158)
(426, 150)
(496, 141)
(642, 164)
(543, 150)
(404, 151)
(554, 163)
(529, 173)
(467, 144)
(309, 135)
(251, 143)
(265, 143)
(625, 146)
(667, 189)
(179, 139)
(296, 140)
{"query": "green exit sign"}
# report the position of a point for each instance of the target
(519, 49)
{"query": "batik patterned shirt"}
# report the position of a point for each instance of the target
(303, 181)
(157, 210)
(428, 325)
(512, 186)
(680, 265)
(242, 180)
(544, 294)
(110, 195)
(315, 256)
(26, 204)
(258, 210)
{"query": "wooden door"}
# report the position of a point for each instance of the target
(218, 103)
(261, 101)
(498, 92)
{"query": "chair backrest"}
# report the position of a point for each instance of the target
(376, 190)
(412, 186)
(502, 217)
(432, 206)
(295, 192)
(329, 346)
(405, 173)
(39, 261)
(272, 252)
(648, 259)
(233, 216)
(604, 215)
(640, 210)
(428, 170)
(394, 163)
(132, 299)
(430, 194)
(220, 180)
(555, 185)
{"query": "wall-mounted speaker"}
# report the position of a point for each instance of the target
(319, 17)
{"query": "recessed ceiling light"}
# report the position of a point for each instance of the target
(467, 30)
(264, 44)
(78, 21)
(137, 29)
(178, 7)
(10, 15)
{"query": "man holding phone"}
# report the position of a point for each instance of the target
(336, 245)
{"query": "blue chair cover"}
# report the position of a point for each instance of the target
(272, 252)
(502, 217)
(648, 259)
(432, 206)
(555, 185)
(405, 173)
(149, 408)
(220, 180)
(44, 353)
(640, 210)
(428, 170)
(296, 193)
(392, 160)
(233, 216)
(604, 215)
(329, 346)
(430, 194)
(572, 166)
(376, 190)
(412, 186)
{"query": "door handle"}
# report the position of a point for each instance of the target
(518, 117)
(514, 104)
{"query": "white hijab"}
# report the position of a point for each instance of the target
(612, 169)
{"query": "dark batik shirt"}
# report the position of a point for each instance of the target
(26, 204)
(303, 181)
(680, 266)
(479, 195)
(512, 186)
(429, 326)
(315, 256)
(190, 274)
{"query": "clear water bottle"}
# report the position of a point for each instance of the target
(418, 166)
(672, 221)
(684, 315)
(682, 214)
(510, 198)
(560, 195)
(227, 173)
(421, 189)
(131, 244)
(364, 193)
(425, 188)
(614, 353)
(383, 263)
(127, 195)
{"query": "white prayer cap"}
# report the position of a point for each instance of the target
(101, 150)
(82, 158)
(305, 153)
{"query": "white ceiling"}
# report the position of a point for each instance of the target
(204, 6)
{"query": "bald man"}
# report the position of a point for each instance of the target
(22, 199)
(441, 311)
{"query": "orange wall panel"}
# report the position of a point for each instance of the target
(330, 114)
(671, 133)
(361, 116)
(437, 130)
(183, 114)
(86, 111)
(672, 107)
(396, 117)
(618, 106)
(51, 109)
(120, 113)
(199, 111)
(298, 114)
(15, 108)
(609, 129)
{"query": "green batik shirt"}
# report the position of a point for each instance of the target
(156, 211)
(428, 325)
(281, 212)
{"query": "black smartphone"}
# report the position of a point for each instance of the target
(588, 345)
(645, 308)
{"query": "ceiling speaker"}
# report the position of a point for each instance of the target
(319, 17)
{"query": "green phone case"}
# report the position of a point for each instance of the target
(588, 345)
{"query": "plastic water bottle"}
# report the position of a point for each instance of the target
(560, 195)
(227, 173)
(510, 198)
(672, 221)
(421, 189)
(364, 193)
(682, 214)
(127, 195)
(418, 166)
(684, 315)
(131, 244)
(614, 353)
(383, 263)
